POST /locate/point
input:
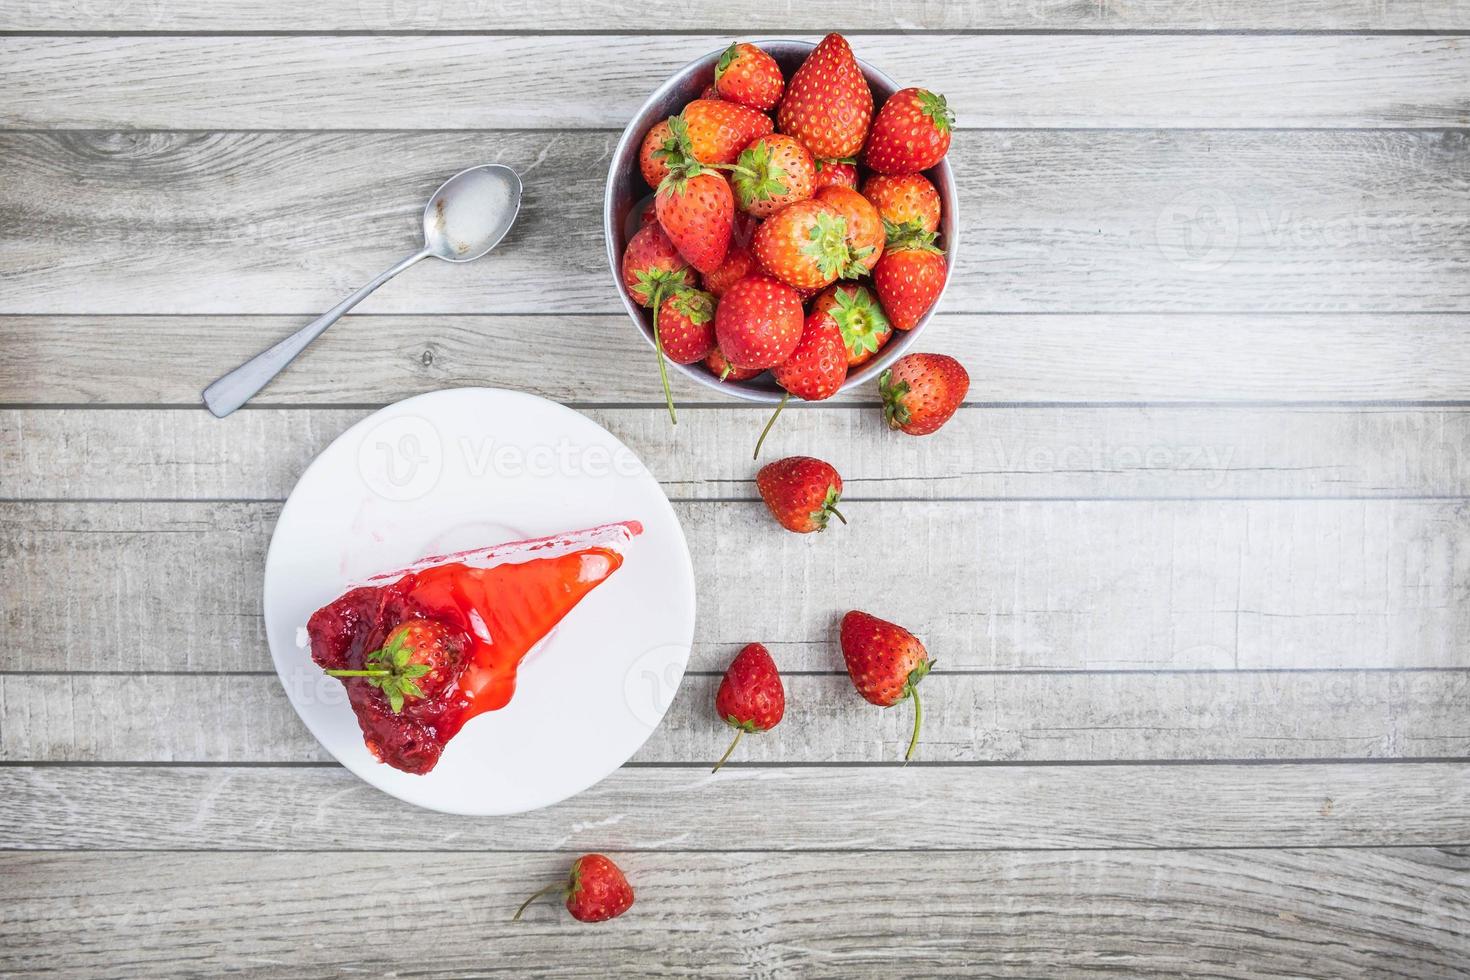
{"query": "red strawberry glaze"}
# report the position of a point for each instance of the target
(499, 613)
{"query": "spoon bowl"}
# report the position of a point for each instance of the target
(471, 212)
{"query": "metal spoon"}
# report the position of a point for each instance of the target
(467, 216)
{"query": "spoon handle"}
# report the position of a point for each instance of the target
(243, 383)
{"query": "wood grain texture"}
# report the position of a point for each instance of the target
(984, 452)
(814, 16)
(595, 358)
(498, 82)
(969, 718)
(1226, 913)
(1159, 585)
(287, 223)
(791, 809)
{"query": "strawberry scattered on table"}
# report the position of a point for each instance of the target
(921, 392)
(750, 698)
(886, 663)
(595, 890)
(801, 492)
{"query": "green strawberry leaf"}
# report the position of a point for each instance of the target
(726, 60)
(696, 305)
(895, 412)
(937, 110)
(828, 245)
(860, 320)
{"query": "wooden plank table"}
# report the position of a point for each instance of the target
(1195, 558)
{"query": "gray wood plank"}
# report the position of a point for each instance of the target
(969, 718)
(900, 16)
(986, 451)
(1163, 585)
(785, 809)
(57, 360)
(287, 223)
(1400, 912)
(499, 82)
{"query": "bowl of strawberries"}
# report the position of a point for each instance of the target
(781, 219)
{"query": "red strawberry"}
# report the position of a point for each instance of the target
(649, 216)
(828, 104)
(686, 325)
(802, 493)
(750, 698)
(697, 212)
(865, 234)
(726, 371)
(710, 92)
(595, 890)
(911, 133)
(651, 265)
(758, 322)
(803, 245)
(419, 658)
(905, 201)
(814, 371)
(886, 663)
(921, 392)
(747, 75)
(818, 366)
(909, 278)
(652, 158)
(714, 132)
(739, 263)
(772, 172)
(858, 316)
(836, 173)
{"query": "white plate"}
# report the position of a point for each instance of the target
(466, 468)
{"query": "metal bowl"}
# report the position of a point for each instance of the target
(627, 191)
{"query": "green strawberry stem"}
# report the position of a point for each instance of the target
(527, 903)
(735, 168)
(836, 513)
(658, 346)
(738, 732)
(359, 673)
(918, 720)
(767, 430)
